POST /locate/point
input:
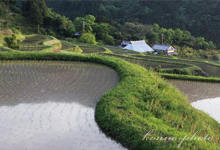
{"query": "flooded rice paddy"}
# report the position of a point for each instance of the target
(66, 45)
(33, 48)
(50, 105)
(91, 49)
(120, 51)
(204, 96)
(209, 69)
(148, 64)
(35, 40)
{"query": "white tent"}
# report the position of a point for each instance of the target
(139, 46)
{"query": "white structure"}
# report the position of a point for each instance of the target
(139, 46)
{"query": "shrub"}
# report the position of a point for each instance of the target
(160, 53)
(158, 68)
(15, 31)
(87, 38)
(12, 42)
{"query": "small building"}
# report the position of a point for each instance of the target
(124, 43)
(77, 34)
(166, 49)
(139, 46)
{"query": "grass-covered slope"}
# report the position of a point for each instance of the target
(143, 103)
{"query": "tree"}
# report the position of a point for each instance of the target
(44, 9)
(88, 22)
(141, 30)
(23, 7)
(12, 42)
(87, 38)
(101, 30)
(36, 15)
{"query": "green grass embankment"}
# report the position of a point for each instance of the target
(189, 77)
(143, 103)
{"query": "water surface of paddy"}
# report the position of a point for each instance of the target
(50, 105)
(204, 96)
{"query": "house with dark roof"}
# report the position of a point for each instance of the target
(139, 46)
(166, 49)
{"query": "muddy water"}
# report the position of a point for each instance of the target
(50, 105)
(204, 96)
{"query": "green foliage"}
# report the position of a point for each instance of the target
(43, 8)
(87, 38)
(15, 9)
(12, 42)
(15, 30)
(36, 15)
(158, 68)
(88, 22)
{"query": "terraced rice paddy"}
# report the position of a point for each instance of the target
(91, 49)
(34, 40)
(195, 90)
(204, 96)
(66, 45)
(50, 105)
(148, 64)
(121, 51)
(209, 69)
(32, 48)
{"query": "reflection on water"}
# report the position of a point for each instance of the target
(51, 104)
(204, 96)
(209, 106)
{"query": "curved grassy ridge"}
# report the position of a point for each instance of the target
(142, 102)
(189, 77)
(55, 44)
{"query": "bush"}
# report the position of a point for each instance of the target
(12, 42)
(74, 40)
(15, 31)
(87, 38)
(160, 53)
(109, 40)
(158, 68)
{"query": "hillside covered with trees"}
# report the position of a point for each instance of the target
(201, 18)
(103, 28)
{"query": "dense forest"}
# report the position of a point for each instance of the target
(201, 18)
(100, 27)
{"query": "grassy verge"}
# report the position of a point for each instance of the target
(143, 107)
(189, 77)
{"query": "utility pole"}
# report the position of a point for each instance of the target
(162, 39)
